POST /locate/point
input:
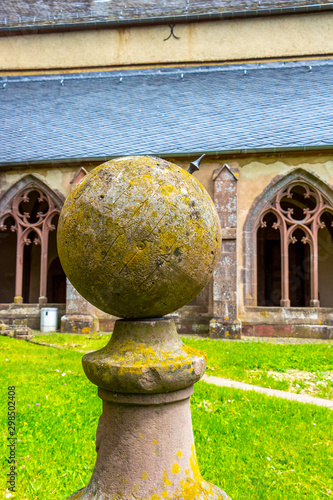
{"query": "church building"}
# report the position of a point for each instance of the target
(249, 84)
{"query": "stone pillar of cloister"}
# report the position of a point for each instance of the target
(225, 323)
(80, 316)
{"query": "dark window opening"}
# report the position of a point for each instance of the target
(325, 261)
(8, 241)
(56, 283)
(269, 263)
(31, 270)
(299, 271)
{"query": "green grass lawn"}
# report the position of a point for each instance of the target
(254, 447)
(87, 342)
(304, 368)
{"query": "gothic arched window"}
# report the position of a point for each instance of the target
(295, 248)
(28, 224)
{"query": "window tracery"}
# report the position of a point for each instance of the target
(299, 213)
(32, 214)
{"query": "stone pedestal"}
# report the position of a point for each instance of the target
(219, 328)
(78, 323)
(78, 317)
(144, 444)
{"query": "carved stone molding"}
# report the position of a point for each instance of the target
(31, 213)
(298, 203)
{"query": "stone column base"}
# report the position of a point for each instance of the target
(220, 328)
(314, 303)
(79, 323)
(285, 303)
(42, 301)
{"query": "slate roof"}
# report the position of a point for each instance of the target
(173, 111)
(57, 13)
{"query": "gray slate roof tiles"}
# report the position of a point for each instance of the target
(166, 112)
(50, 13)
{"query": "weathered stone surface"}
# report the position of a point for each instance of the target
(147, 462)
(144, 442)
(22, 332)
(225, 323)
(221, 329)
(192, 319)
(78, 323)
(25, 314)
(282, 330)
(297, 322)
(139, 237)
(82, 317)
(144, 357)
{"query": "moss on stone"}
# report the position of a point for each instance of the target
(139, 237)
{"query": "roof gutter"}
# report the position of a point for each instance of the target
(181, 18)
(190, 154)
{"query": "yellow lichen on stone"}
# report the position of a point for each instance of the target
(194, 352)
(144, 356)
(139, 237)
(175, 469)
(194, 465)
(166, 481)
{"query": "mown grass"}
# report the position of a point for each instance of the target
(300, 368)
(254, 447)
(86, 342)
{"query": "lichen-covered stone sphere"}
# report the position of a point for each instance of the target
(139, 237)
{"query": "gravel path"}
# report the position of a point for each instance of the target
(270, 340)
(286, 340)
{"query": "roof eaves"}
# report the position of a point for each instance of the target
(173, 154)
(79, 24)
(246, 68)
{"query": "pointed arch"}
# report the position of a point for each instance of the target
(27, 181)
(309, 197)
(30, 209)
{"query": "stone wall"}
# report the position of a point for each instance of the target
(26, 314)
(237, 185)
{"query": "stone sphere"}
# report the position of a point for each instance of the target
(139, 237)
